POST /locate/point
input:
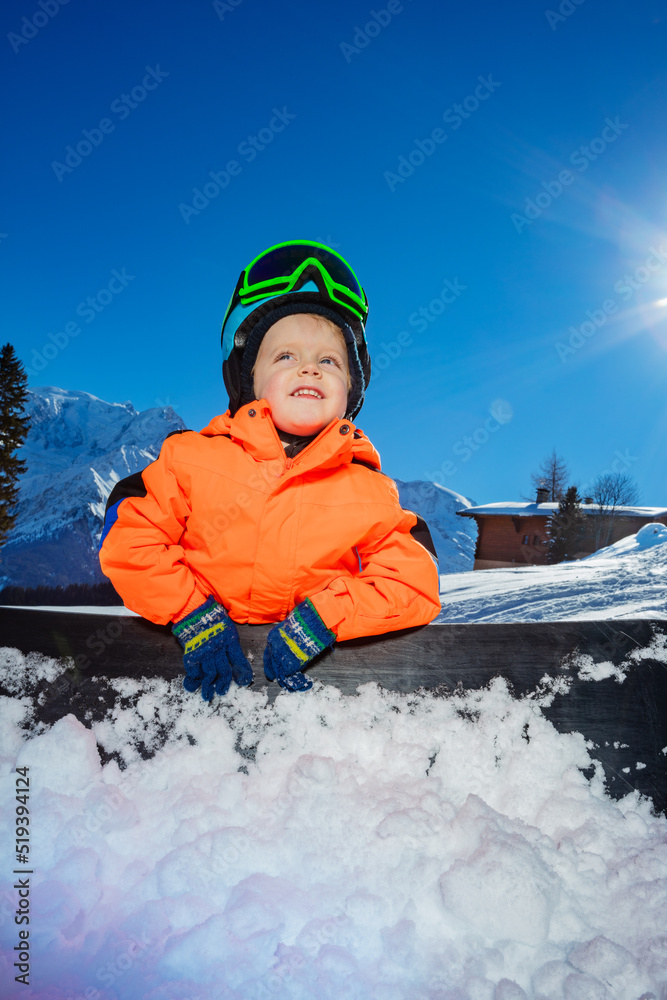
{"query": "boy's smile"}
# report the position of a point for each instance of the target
(302, 373)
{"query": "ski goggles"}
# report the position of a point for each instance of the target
(287, 266)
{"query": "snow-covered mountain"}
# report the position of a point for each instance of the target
(454, 541)
(78, 446)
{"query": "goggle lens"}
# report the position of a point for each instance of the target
(284, 260)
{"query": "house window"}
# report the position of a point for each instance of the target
(536, 539)
(526, 539)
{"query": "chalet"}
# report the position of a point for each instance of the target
(511, 534)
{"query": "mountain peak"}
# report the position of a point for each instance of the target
(77, 448)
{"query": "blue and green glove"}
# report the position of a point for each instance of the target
(212, 652)
(292, 644)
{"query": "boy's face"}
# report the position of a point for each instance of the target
(302, 373)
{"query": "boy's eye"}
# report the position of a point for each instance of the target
(289, 356)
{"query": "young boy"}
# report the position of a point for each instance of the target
(277, 511)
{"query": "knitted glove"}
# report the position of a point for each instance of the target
(213, 654)
(294, 643)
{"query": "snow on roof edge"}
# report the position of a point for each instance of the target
(520, 509)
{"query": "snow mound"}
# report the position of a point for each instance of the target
(372, 846)
(651, 534)
(647, 536)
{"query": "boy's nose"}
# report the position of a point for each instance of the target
(310, 366)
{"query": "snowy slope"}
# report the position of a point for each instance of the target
(624, 580)
(454, 537)
(77, 448)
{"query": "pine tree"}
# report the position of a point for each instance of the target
(13, 430)
(566, 527)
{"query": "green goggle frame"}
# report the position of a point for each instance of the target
(266, 276)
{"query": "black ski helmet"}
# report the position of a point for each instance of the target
(298, 276)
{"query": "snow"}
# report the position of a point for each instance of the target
(625, 580)
(591, 671)
(520, 509)
(380, 846)
(377, 846)
(113, 609)
(647, 536)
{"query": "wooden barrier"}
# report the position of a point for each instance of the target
(626, 722)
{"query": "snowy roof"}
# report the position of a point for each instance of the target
(512, 508)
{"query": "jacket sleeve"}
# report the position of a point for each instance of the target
(140, 551)
(398, 583)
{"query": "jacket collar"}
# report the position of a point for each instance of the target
(252, 427)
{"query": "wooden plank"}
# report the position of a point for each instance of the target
(441, 657)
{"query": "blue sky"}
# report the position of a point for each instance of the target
(515, 272)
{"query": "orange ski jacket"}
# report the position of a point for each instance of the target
(226, 512)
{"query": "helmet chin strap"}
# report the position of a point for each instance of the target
(294, 443)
